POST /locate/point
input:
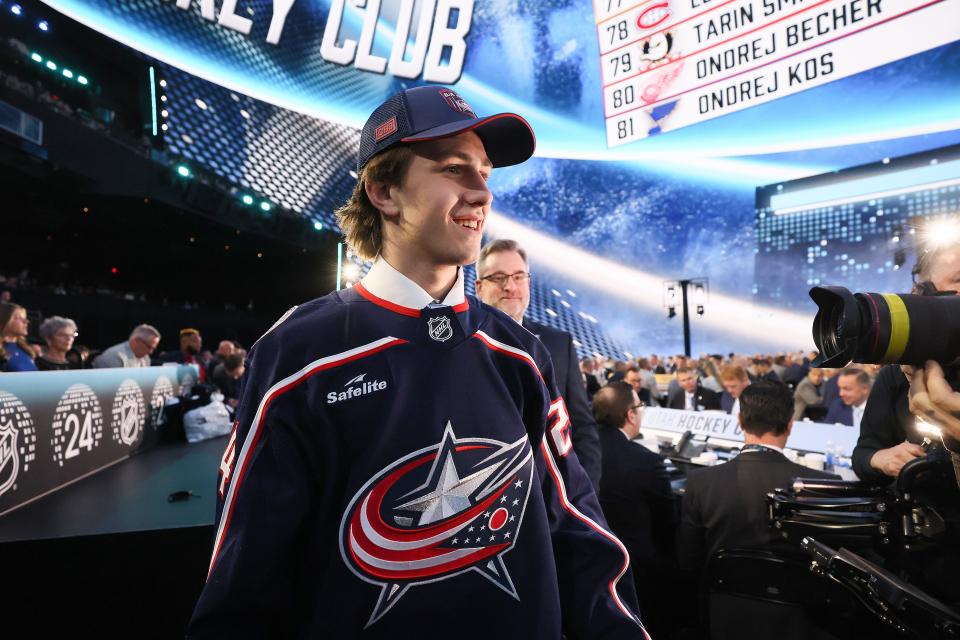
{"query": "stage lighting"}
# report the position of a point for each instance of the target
(266, 206)
(51, 65)
(318, 226)
(164, 126)
(67, 73)
(247, 200)
(163, 83)
(36, 57)
(43, 25)
(183, 171)
(82, 80)
(16, 9)
(165, 113)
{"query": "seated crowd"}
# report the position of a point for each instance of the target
(58, 351)
(715, 382)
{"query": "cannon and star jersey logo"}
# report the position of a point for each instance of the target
(444, 510)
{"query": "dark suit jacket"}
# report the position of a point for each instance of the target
(725, 506)
(703, 397)
(726, 401)
(566, 370)
(839, 412)
(637, 500)
(635, 495)
(830, 390)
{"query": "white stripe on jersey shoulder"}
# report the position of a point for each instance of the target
(256, 427)
(496, 345)
(279, 321)
(579, 515)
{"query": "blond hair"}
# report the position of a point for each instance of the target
(358, 218)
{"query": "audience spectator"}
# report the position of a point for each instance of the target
(829, 389)
(710, 375)
(691, 396)
(808, 393)
(79, 356)
(655, 365)
(59, 334)
(135, 352)
(734, 380)
(633, 378)
(762, 370)
(226, 376)
(636, 498)
(588, 372)
(16, 353)
(225, 348)
(854, 389)
(191, 344)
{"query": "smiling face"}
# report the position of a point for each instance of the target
(435, 217)
(513, 296)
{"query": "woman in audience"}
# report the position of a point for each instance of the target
(15, 352)
(59, 334)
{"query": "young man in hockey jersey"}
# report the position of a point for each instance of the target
(401, 464)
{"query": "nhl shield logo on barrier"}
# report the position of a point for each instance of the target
(440, 329)
(450, 508)
(18, 440)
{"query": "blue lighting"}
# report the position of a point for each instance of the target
(51, 65)
(318, 226)
(183, 170)
(16, 9)
(36, 57)
(266, 206)
(153, 99)
(247, 200)
(67, 73)
(43, 25)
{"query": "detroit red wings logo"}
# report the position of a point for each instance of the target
(438, 512)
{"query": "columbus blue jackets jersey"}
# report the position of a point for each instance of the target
(397, 472)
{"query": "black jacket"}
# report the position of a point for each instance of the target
(886, 422)
(709, 400)
(566, 370)
(726, 506)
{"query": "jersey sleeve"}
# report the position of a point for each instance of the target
(597, 594)
(264, 495)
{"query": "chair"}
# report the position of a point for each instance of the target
(756, 593)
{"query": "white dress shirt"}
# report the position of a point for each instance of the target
(387, 283)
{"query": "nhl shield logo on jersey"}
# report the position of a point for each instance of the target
(436, 513)
(440, 328)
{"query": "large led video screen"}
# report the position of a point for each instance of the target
(662, 128)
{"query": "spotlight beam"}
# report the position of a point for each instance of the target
(766, 326)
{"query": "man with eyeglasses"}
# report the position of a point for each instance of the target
(503, 281)
(134, 352)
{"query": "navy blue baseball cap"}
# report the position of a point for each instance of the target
(432, 112)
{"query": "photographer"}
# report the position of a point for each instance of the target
(888, 439)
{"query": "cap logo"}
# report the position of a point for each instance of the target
(457, 103)
(385, 129)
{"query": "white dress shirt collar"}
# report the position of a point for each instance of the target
(388, 284)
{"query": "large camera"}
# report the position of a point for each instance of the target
(885, 328)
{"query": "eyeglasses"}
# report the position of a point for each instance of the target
(500, 279)
(150, 348)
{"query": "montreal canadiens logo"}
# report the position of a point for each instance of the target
(436, 513)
